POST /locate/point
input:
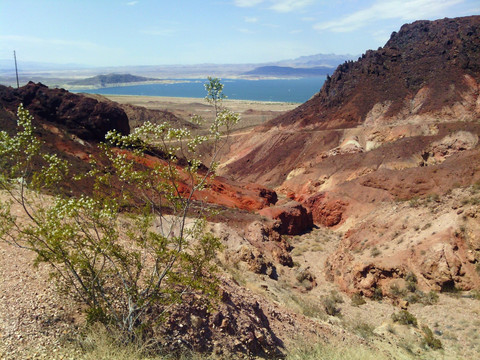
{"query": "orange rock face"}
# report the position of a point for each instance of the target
(294, 218)
(325, 212)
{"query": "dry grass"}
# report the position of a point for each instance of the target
(97, 344)
(335, 352)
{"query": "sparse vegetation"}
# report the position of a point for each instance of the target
(419, 296)
(358, 300)
(126, 267)
(375, 252)
(330, 303)
(377, 294)
(429, 340)
(411, 281)
(363, 329)
(395, 290)
(405, 318)
(334, 352)
(414, 202)
(308, 306)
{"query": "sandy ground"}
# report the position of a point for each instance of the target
(252, 112)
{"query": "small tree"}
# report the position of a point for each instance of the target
(126, 249)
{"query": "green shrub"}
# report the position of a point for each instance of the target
(419, 296)
(377, 294)
(330, 303)
(375, 252)
(411, 281)
(405, 318)
(396, 291)
(364, 330)
(126, 267)
(358, 300)
(429, 340)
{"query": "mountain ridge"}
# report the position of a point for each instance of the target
(400, 124)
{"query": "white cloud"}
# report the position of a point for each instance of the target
(289, 5)
(277, 5)
(247, 3)
(381, 36)
(251, 19)
(407, 10)
(132, 3)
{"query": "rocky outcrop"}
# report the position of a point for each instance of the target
(448, 146)
(434, 238)
(82, 116)
(324, 211)
(294, 218)
(266, 237)
(241, 325)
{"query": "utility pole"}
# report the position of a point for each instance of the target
(16, 69)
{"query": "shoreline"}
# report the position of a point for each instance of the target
(188, 100)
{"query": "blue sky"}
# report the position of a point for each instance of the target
(156, 32)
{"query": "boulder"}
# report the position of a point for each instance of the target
(325, 212)
(294, 218)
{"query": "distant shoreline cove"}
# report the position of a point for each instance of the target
(275, 90)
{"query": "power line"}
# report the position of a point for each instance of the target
(16, 69)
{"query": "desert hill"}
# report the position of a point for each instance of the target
(426, 74)
(401, 123)
(110, 79)
(439, 57)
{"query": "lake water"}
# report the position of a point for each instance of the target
(283, 90)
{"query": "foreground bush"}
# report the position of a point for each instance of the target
(126, 267)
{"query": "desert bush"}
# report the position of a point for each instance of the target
(395, 290)
(429, 340)
(375, 252)
(126, 267)
(363, 329)
(405, 318)
(475, 294)
(377, 294)
(419, 296)
(414, 202)
(308, 306)
(411, 281)
(96, 343)
(330, 303)
(358, 300)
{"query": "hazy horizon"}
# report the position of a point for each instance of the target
(115, 33)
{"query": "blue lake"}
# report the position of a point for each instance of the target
(283, 90)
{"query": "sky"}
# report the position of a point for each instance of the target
(159, 32)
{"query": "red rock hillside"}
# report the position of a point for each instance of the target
(401, 123)
(72, 124)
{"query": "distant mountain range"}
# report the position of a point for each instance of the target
(317, 60)
(77, 75)
(289, 71)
